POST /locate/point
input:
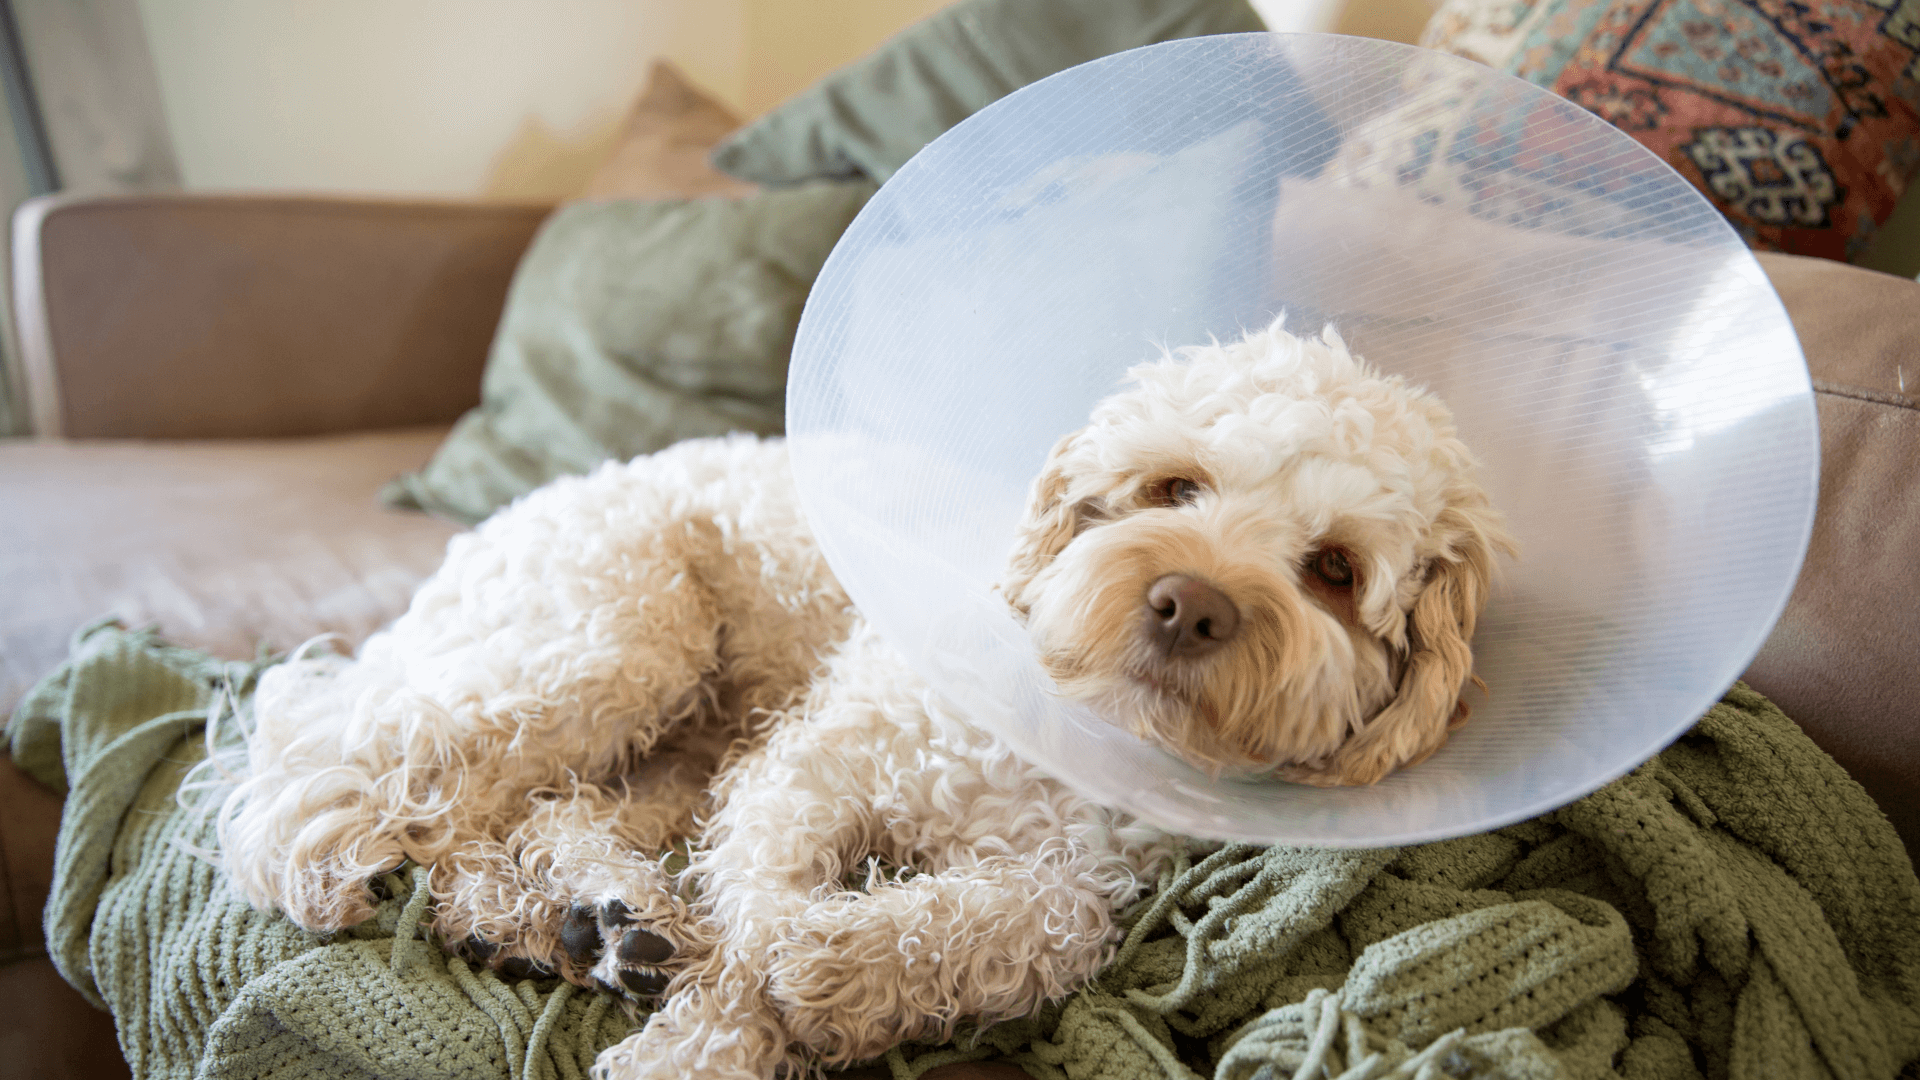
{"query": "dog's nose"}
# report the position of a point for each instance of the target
(1186, 617)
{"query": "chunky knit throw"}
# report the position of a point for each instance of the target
(1737, 907)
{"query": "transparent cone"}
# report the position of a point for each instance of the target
(1612, 353)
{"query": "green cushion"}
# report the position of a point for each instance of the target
(629, 326)
(870, 117)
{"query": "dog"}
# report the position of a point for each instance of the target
(1262, 556)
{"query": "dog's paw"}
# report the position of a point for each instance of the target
(620, 954)
(503, 961)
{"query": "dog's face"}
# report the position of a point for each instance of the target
(1264, 557)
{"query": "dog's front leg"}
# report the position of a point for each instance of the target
(781, 837)
(582, 887)
(795, 822)
(824, 976)
(857, 973)
(717, 1021)
(717, 1027)
(989, 915)
(1005, 894)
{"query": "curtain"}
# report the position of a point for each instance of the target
(83, 115)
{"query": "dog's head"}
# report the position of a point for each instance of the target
(1259, 554)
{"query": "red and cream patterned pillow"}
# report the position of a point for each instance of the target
(1800, 119)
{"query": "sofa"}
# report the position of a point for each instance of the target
(222, 383)
(214, 474)
(238, 507)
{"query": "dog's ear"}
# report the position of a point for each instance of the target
(1440, 660)
(1051, 521)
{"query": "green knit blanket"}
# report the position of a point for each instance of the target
(1736, 907)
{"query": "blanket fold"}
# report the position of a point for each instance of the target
(1735, 907)
(199, 983)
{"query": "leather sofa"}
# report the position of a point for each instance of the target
(223, 382)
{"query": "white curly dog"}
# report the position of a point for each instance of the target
(1261, 555)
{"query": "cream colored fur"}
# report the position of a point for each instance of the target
(657, 653)
(1296, 446)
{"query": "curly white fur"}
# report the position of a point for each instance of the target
(658, 653)
(1294, 448)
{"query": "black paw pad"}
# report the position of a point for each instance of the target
(519, 967)
(475, 949)
(615, 913)
(580, 936)
(641, 947)
(644, 983)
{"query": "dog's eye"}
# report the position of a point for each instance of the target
(1174, 491)
(1333, 567)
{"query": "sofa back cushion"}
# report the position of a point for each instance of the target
(179, 316)
(1842, 660)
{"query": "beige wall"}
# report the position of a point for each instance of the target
(510, 99)
(514, 99)
(1394, 20)
(791, 43)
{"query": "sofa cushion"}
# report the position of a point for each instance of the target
(227, 546)
(1802, 126)
(868, 118)
(165, 315)
(1841, 659)
(630, 326)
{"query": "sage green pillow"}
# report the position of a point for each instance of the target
(868, 118)
(632, 325)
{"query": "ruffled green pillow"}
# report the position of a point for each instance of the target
(867, 119)
(630, 326)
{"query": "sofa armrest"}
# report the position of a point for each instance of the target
(217, 316)
(1841, 659)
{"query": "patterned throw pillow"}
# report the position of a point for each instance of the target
(1800, 119)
